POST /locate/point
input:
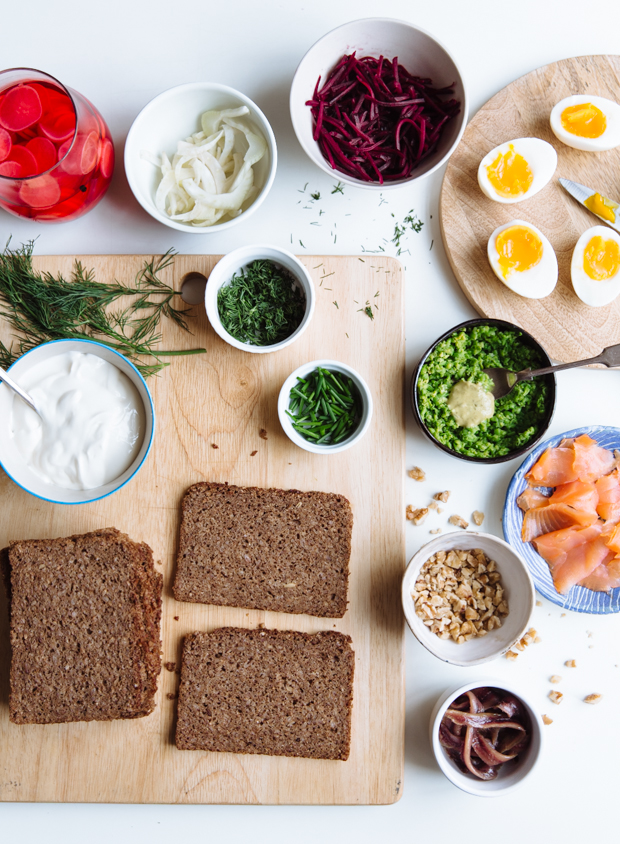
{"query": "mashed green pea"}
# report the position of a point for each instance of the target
(518, 416)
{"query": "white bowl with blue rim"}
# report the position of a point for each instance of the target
(16, 466)
(578, 598)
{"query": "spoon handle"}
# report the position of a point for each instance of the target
(608, 357)
(4, 376)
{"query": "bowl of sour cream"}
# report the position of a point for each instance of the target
(95, 424)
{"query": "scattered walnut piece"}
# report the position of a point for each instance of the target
(171, 696)
(537, 640)
(590, 634)
(440, 509)
(539, 603)
(433, 505)
(437, 530)
(562, 614)
(571, 663)
(176, 617)
(555, 696)
(170, 666)
(459, 595)
(555, 678)
(252, 453)
(592, 698)
(547, 720)
(477, 517)
(511, 655)
(417, 474)
(418, 515)
(442, 496)
(458, 521)
(213, 445)
(262, 434)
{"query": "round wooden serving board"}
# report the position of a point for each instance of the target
(568, 329)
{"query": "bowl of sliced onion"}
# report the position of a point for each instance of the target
(200, 157)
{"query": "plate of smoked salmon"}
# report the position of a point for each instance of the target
(562, 514)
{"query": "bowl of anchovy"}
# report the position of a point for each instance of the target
(325, 406)
(259, 298)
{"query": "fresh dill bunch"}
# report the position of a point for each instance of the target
(43, 307)
(262, 305)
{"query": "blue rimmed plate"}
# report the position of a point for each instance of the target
(578, 598)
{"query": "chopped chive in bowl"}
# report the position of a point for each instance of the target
(325, 407)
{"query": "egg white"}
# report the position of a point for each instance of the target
(541, 157)
(610, 137)
(535, 283)
(591, 292)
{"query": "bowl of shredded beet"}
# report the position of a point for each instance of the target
(378, 103)
(486, 737)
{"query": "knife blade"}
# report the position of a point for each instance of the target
(593, 200)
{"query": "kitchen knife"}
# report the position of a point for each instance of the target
(594, 202)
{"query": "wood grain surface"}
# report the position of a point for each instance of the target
(568, 329)
(224, 399)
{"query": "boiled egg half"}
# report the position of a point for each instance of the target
(595, 266)
(523, 259)
(588, 123)
(517, 170)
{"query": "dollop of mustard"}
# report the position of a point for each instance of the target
(470, 404)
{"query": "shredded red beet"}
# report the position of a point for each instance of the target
(483, 729)
(376, 122)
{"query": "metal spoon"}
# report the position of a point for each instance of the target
(504, 380)
(4, 376)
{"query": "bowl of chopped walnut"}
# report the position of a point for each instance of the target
(467, 597)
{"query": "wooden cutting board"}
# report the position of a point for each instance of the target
(568, 329)
(210, 410)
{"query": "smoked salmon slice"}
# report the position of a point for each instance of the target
(591, 461)
(608, 489)
(531, 498)
(554, 467)
(574, 555)
(604, 578)
(580, 495)
(554, 517)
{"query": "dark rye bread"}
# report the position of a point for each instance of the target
(274, 692)
(84, 627)
(266, 549)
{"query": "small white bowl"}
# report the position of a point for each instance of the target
(335, 366)
(171, 117)
(418, 51)
(511, 774)
(518, 590)
(13, 463)
(238, 260)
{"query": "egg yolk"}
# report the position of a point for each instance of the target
(601, 206)
(519, 249)
(601, 258)
(584, 120)
(510, 174)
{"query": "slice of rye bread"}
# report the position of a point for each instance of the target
(84, 623)
(267, 549)
(274, 692)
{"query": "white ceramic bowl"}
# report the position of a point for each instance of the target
(171, 117)
(335, 366)
(13, 463)
(518, 590)
(418, 51)
(236, 261)
(511, 774)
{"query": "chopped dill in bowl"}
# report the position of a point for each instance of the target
(462, 356)
(261, 305)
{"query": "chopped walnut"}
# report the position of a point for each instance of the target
(440, 509)
(262, 434)
(555, 696)
(170, 666)
(571, 663)
(539, 603)
(458, 521)
(442, 496)
(478, 517)
(437, 530)
(537, 640)
(417, 474)
(252, 453)
(511, 655)
(416, 516)
(592, 698)
(547, 720)
(459, 595)
(433, 505)
(213, 445)
(555, 678)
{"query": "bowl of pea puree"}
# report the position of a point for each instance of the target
(452, 400)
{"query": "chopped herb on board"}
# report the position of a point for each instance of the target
(367, 310)
(262, 305)
(43, 307)
(325, 407)
(339, 188)
(410, 223)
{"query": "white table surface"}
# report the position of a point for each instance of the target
(122, 53)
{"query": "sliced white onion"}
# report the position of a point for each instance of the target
(210, 175)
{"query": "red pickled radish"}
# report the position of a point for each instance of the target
(52, 99)
(58, 126)
(63, 149)
(25, 159)
(107, 159)
(20, 108)
(11, 169)
(90, 153)
(44, 152)
(5, 144)
(42, 192)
